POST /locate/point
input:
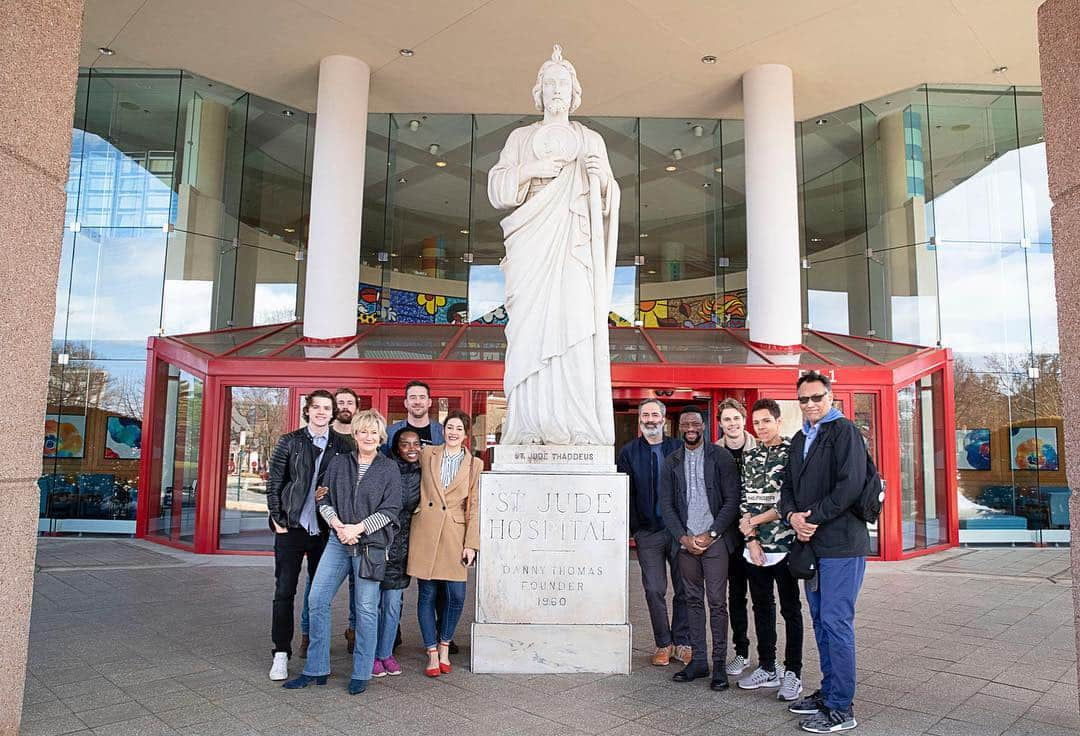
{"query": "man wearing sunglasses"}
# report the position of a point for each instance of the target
(823, 483)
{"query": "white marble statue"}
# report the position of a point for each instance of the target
(559, 268)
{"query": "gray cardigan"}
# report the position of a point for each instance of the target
(378, 491)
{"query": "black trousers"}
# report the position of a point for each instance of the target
(737, 608)
(762, 580)
(705, 578)
(290, 549)
(656, 552)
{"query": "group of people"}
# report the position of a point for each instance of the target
(380, 505)
(377, 506)
(722, 519)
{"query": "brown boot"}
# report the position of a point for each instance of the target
(684, 653)
(350, 640)
(304, 641)
(662, 658)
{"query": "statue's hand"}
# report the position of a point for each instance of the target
(595, 167)
(545, 168)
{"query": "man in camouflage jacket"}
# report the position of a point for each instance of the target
(768, 540)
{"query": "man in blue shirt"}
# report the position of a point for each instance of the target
(824, 482)
(641, 459)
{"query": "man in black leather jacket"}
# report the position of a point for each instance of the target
(296, 468)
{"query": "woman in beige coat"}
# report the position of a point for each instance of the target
(445, 536)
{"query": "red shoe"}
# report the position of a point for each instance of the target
(445, 668)
(432, 671)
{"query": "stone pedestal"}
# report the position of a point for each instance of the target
(551, 592)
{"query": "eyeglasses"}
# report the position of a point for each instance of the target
(816, 398)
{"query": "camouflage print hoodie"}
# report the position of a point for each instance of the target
(762, 475)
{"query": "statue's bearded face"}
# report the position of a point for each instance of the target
(558, 89)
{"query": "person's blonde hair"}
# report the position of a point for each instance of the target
(367, 419)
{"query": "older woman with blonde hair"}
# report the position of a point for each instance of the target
(445, 536)
(361, 506)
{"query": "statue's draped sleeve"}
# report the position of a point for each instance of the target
(505, 188)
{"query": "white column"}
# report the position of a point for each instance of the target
(337, 198)
(772, 207)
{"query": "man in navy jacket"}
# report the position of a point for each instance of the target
(641, 459)
(823, 484)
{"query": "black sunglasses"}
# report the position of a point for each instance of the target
(816, 398)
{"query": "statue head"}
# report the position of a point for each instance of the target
(557, 84)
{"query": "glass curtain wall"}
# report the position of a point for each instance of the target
(188, 206)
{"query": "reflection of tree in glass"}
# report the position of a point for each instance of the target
(1004, 393)
(84, 382)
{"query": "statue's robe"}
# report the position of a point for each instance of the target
(559, 279)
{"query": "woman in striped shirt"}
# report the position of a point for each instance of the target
(361, 507)
(445, 536)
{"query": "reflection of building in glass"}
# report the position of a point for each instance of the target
(188, 208)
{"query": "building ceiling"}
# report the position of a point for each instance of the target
(634, 57)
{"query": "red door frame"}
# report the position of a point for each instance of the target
(468, 380)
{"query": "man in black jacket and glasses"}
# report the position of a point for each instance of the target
(296, 468)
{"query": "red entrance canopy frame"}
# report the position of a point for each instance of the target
(215, 357)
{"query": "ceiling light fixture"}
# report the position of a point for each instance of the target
(287, 113)
(441, 164)
(1000, 69)
(105, 51)
(676, 153)
(698, 131)
(414, 125)
(671, 167)
(706, 185)
(821, 121)
(719, 170)
(407, 53)
(464, 231)
(402, 180)
(708, 59)
(433, 149)
(289, 229)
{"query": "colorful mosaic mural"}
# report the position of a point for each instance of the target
(409, 306)
(728, 310)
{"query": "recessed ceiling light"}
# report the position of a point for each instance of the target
(651, 271)
(888, 102)
(706, 185)
(105, 51)
(644, 235)
(719, 170)
(1000, 69)
(441, 164)
(464, 231)
(406, 52)
(821, 121)
(287, 113)
(708, 59)
(433, 149)
(402, 180)
(290, 229)
(414, 125)
(815, 240)
(671, 167)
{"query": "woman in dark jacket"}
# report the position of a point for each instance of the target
(362, 509)
(405, 447)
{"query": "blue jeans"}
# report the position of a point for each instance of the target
(832, 608)
(336, 565)
(305, 615)
(448, 616)
(389, 617)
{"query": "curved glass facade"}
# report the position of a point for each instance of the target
(188, 208)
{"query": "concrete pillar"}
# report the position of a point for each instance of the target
(1059, 58)
(772, 207)
(38, 73)
(337, 198)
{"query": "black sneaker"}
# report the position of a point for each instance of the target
(808, 706)
(829, 721)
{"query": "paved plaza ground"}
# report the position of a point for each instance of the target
(131, 638)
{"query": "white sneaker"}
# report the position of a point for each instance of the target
(790, 687)
(760, 678)
(737, 666)
(280, 669)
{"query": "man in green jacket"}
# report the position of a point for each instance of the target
(767, 542)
